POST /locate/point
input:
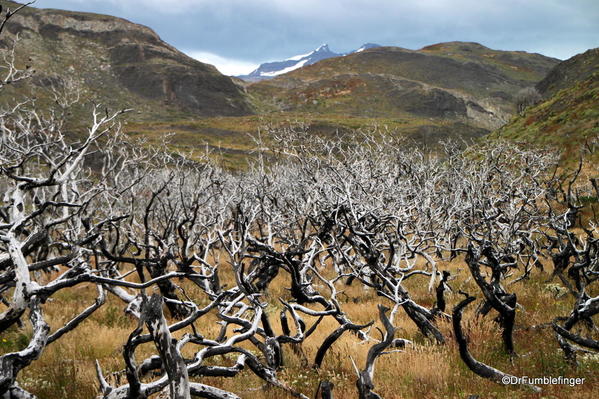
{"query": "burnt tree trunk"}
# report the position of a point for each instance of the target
(476, 366)
(172, 360)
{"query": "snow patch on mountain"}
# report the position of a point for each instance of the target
(288, 69)
(299, 57)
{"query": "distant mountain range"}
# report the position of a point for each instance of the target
(456, 81)
(446, 90)
(269, 70)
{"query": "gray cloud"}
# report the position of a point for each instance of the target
(260, 30)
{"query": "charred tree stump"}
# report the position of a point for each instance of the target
(495, 295)
(330, 340)
(585, 342)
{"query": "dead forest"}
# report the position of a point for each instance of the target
(222, 274)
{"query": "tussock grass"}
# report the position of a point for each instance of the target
(422, 370)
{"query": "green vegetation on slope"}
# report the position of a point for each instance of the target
(232, 139)
(569, 72)
(457, 81)
(567, 119)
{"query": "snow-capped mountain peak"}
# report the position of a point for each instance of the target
(269, 70)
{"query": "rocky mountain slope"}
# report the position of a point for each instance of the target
(119, 64)
(464, 82)
(269, 70)
(569, 116)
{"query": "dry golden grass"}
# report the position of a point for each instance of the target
(423, 370)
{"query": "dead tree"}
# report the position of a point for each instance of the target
(476, 366)
(365, 382)
(12, 363)
(496, 297)
(527, 97)
(170, 356)
(46, 213)
(576, 259)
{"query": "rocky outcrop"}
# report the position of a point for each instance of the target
(121, 63)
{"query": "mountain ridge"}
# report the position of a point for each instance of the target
(568, 72)
(459, 90)
(269, 70)
(463, 81)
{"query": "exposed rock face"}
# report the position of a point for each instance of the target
(122, 64)
(433, 103)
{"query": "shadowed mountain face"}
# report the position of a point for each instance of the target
(458, 81)
(120, 64)
(569, 116)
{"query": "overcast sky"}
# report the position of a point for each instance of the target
(237, 35)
